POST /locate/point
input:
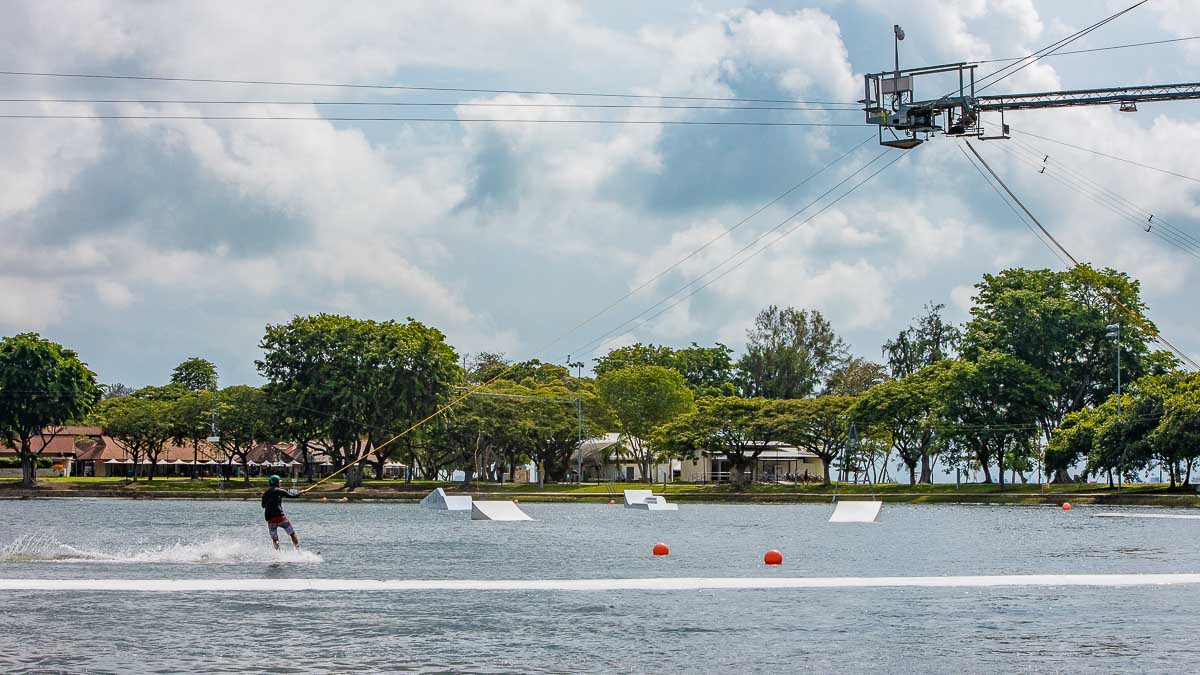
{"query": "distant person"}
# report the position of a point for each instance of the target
(272, 504)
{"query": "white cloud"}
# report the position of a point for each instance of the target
(502, 233)
(30, 304)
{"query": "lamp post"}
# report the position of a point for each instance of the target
(579, 414)
(1114, 333)
(899, 33)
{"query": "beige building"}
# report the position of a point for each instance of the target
(776, 463)
(607, 458)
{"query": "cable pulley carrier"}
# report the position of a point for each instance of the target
(904, 121)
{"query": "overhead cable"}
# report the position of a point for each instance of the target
(629, 322)
(497, 120)
(1096, 49)
(404, 87)
(1049, 49)
(1073, 178)
(1024, 221)
(1136, 317)
(421, 104)
(1102, 154)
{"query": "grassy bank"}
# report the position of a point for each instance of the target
(975, 493)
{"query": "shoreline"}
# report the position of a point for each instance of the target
(1129, 497)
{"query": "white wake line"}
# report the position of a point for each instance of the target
(651, 584)
(1148, 515)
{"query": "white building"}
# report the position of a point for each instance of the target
(607, 458)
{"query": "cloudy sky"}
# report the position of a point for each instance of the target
(140, 242)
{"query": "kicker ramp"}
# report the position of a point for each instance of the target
(497, 511)
(636, 497)
(440, 501)
(856, 512)
(647, 501)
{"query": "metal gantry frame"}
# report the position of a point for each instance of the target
(904, 121)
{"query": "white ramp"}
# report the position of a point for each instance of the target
(634, 497)
(856, 512)
(440, 501)
(653, 503)
(497, 511)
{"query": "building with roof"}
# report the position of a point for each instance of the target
(608, 458)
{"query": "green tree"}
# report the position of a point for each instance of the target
(42, 385)
(1056, 322)
(991, 405)
(141, 426)
(636, 354)
(196, 374)
(244, 420)
(642, 398)
(116, 390)
(193, 416)
(485, 367)
(1073, 439)
(856, 376)
(904, 410)
(789, 353)
(736, 428)
(928, 340)
(709, 371)
(370, 381)
(1176, 438)
(818, 425)
(1125, 440)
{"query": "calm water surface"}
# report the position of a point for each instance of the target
(963, 630)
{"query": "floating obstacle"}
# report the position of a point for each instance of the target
(497, 511)
(856, 512)
(438, 500)
(647, 501)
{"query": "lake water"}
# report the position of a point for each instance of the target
(950, 630)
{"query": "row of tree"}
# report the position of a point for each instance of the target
(1033, 366)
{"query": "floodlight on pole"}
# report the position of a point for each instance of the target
(899, 33)
(1113, 332)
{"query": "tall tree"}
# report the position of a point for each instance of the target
(142, 426)
(708, 371)
(736, 428)
(193, 417)
(42, 385)
(905, 411)
(1176, 438)
(116, 390)
(642, 398)
(992, 405)
(1073, 439)
(371, 381)
(856, 376)
(789, 353)
(196, 374)
(485, 367)
(928, 340)
(818, 425)
(1057, 323)
(243, 422)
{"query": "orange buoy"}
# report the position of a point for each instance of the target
(773, 557)
(612, 501)
(1066, 506)
(345, 499)
(516, 501)
(661, 549)
(324, 499)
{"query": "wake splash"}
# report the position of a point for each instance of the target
(38, 547)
